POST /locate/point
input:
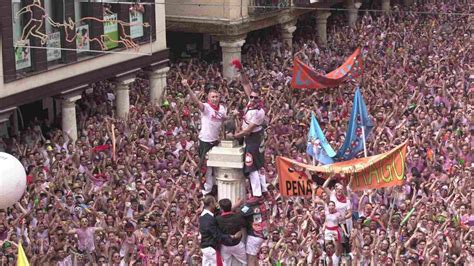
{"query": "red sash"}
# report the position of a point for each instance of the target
(335, 228)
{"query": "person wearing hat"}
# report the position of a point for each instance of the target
(213, 114)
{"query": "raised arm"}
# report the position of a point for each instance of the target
(246, 84)
(325, 185)
(193, 96)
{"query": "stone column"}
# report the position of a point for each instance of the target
(68, 114)
(158, 84)
(407, 2)
(5, 115)
(321, 23)
(386, 5)
(231, 50)
(352, 10)
(48, 103)
(16, 125)
(122, 97)
(287, 33)
(227, 160)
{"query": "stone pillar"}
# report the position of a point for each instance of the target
(386, 5)
(287, 33)
(352, 10)
(48, 103)
(68, 114)
(122, 97)
(206, 41)
(321, 23)
(227, 160)
(5, 119)
(231, 50)
(158, 84)
(407, 2)
(16, 125)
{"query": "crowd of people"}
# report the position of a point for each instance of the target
(141, 203)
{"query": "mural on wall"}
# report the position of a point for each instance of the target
(111, 38)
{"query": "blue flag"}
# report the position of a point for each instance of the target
(318, 147)
(359, 121)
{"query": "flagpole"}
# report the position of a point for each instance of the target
(360, 105)
(363, 141)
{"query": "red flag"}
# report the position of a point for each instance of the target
(305, 77)
(101, 148)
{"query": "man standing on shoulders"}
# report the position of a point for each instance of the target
(253, 133)
(211, 235)
(212, 116)
(231, 223)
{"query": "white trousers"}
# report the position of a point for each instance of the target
(258, 183)
(253, 245)
(237, 252)
(209, 257)
(210, 181)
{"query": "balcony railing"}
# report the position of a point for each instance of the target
(257, 7)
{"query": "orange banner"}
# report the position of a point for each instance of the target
(304, 77)
(382, 170)
(295, 180)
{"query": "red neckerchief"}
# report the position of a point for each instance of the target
(341, 199)
(226, 213)
(215, 107)
(251, 106)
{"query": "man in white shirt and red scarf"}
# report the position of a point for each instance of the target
(212, 116)
(253, 133)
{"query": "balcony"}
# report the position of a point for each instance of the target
(259, 7)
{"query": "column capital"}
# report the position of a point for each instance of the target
(289, 26)
(229, 38)
(124, 83)
(288, 29)
(158, 73)
(322, 16)
(73, 94)
(70, 99)
(352, 4)
(6, 113)
(232, 44)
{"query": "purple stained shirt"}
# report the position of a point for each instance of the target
(86, 238)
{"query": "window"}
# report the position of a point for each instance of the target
(54, 14)
(20, 43)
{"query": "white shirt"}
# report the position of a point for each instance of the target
(332, 218)
(340, 206)
(254, 116)
(211, 121)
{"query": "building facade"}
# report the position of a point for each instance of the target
(52, 50)
(229, 21)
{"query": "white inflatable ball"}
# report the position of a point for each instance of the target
(12, 180)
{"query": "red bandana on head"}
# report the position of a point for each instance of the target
(215, 107)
